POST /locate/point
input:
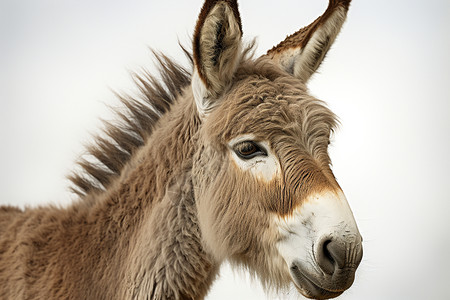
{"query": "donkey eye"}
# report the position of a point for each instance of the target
(248, 150)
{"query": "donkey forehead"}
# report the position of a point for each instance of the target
(267, 108)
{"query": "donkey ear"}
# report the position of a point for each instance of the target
(302, 52)
(217, 50)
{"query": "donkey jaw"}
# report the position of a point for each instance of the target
(321, 245)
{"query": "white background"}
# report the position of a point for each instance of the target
(387, 77)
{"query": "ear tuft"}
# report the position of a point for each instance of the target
(217, 47)
(302, 52)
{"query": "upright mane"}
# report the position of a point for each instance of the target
(120, 139)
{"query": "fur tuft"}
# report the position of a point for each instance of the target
(120, 139)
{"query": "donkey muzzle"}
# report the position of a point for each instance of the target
(337, 259)
(321, 245)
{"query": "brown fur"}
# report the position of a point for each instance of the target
(301, 37)
(164, 205)
(135, 124)
(311, 42)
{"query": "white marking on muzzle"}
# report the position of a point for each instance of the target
(325, 214)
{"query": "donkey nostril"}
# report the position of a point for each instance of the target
(324, 258)
(336, 252)
(326, 252)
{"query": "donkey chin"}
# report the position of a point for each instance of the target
(321, 245)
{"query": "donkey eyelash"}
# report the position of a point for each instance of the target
(248, 149)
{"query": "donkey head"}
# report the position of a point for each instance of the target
(265, 194)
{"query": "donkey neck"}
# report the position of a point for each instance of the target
(166, 258)
(166, 155)
(151, 212)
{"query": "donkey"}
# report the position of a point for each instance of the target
(228, 162)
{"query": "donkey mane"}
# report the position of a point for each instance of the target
(120, 139)
(135, 119)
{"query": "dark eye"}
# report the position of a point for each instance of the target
(248, 150)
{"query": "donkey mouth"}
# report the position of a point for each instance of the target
(308, 288)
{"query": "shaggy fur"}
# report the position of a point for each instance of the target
(135, 125)
(164, 205)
